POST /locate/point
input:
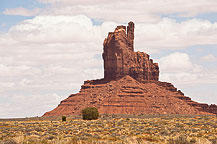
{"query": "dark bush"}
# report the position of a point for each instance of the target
(193, 140)
(63, 118)
(90, 113)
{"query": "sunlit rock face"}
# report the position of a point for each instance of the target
(121, 60)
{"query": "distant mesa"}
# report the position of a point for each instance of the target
(130, 85)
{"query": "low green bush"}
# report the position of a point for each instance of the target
(63, 118)
(90, 113)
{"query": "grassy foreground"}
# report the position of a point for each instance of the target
(173, 129)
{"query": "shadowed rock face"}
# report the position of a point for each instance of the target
(121, 60)
(130, 85)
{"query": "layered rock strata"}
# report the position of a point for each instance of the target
(128, 96)
(130, 85)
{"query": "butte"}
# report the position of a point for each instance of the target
(130, 85)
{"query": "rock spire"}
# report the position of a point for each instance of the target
(121, 60)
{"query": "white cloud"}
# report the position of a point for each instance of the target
(7, 85)
(125, 10)
(169, 34)
(150, 37)
(178, 62)
(83, 2)
(60, 29)
(17, 70)
(49, 54)
(209, 58)
(179, 69)
(23, 105)
(22, 11)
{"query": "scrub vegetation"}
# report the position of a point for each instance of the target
(124, 129)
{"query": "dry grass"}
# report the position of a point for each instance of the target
(111, 129)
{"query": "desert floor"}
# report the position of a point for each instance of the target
(123, 129)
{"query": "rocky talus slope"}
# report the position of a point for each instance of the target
(130, 85)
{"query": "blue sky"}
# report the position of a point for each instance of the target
(6, 21)
(30, 4)
(212, 17)
(48, 48)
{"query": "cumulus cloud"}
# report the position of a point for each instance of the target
(48, 54)
(22, 11)
(170, 34)
(178, 62)
(23, 105)
(179, 69)
(125, 10)
(60, 29)
(150, 37)
(209, 58)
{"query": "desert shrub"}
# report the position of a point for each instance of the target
(63, 118)
(214, 141)
(10, 141)
(90, 113)
(179, 140)
(151, 139)
(193, 140)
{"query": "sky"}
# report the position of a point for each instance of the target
(49, 47)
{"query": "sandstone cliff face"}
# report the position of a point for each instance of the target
(130, 85)
(120, 58)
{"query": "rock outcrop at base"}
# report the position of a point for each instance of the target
(127, 96)
(130, 85)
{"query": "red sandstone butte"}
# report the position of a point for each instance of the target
(130, 85)
(121, 60)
